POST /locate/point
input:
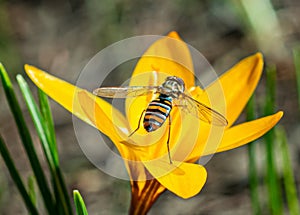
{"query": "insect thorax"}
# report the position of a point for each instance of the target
(173, 86)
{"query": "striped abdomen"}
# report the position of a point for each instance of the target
(157, 112)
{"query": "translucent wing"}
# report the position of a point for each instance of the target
(123, 92)
(202, 111)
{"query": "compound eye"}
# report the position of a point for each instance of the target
(176, 79)
(180, 82)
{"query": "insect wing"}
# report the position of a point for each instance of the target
(202, 111)
(123, 92)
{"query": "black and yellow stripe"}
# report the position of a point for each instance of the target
(157, 112)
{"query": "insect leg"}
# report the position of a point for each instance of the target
(168, 141)
(138, 124)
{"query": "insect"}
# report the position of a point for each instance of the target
(170, 94)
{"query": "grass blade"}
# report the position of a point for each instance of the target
(79, 203)
(264, 23)
(50, 149)
(296, 53)
(272, 179)
(30, 205)
(37, 120)
(27, 142)
(288, 176)
(31, 189)
(253, 177)
(63, 192)
(49, 127)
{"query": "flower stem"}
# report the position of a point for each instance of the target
(141, 202)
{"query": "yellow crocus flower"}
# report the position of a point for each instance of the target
(145, 156)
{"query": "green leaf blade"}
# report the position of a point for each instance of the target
(31, 189)
(49, 147)
(253, 176)
(27, 141)
(30, 205)
(49, 125)
(79, 203)
(272, 178)
(288, 175)
(37, 119)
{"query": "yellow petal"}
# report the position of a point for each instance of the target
(110, 121)
(106, 118)
(66, 95)
(238, 85)
(207, 137)
(60, 91)
(192, 142)
(186, 130)
(244, 133)
(168, 56)
(184, 179)
(181, 139)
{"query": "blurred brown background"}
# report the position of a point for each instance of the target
(61, 37)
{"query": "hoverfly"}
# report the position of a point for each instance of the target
(170, 93)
